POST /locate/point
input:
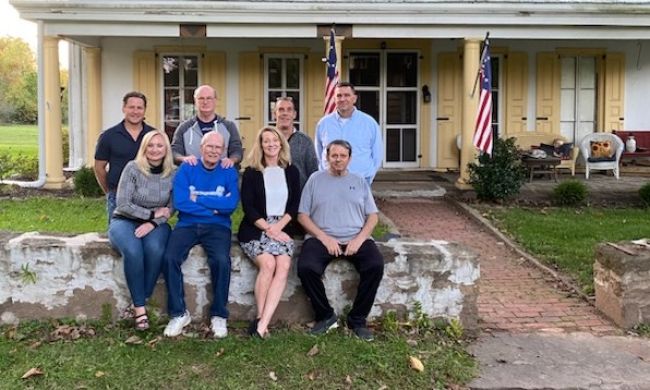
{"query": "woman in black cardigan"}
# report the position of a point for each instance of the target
(270, 195)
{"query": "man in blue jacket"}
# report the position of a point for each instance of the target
(205, 196)
(358, 128)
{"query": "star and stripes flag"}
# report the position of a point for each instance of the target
(483, 131)
(332, 76)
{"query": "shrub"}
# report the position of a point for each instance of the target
(85, 183)
(6, 165)
(644, 193)
(569, 193)
(500, 176)
(26, 167)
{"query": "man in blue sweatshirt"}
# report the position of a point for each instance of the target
(358, 128)
(205, 195)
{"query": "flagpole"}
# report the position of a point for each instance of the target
(478, 73)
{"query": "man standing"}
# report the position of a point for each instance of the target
(187, 136)
(303, 154)
(356, 127)
(205, 194)
(119, 145)
(338, 212)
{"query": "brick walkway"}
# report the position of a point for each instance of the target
(513, 294)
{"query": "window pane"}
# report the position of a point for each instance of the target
(295, 95)
(275, 73)
(402, 69)
(188, 104)
(272, 96)
(293, 73)
(191, 70)
(172, 104)
(494, 63)
(392, 145)
(408, 145)
(170, 70)
(368, 102)
(364, 69)
(401, 107)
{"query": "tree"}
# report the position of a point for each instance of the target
(18, 82)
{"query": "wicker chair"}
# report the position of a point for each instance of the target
(600, 163)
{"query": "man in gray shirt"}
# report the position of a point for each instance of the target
(186, 142)
(339, 214)
(303, 153)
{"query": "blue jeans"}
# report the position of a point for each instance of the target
(215, 240)
(111, 204)
(142, 257)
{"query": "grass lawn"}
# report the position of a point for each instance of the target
(567, 237)
(19, 139)
(92, 356)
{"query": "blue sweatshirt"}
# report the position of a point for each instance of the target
(216, 193)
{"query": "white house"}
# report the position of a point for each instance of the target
(559, 67)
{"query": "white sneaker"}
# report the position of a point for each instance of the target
(218, 325)
(176, 324)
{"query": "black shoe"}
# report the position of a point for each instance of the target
(325, 325)
(363, 333)
(252, 327)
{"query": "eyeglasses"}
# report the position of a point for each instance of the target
(207, 99)
(284, 99)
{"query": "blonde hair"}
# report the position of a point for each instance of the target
(141, 159)
(255, 158)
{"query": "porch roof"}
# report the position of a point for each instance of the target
(513, 19)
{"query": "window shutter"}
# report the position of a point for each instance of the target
(250, 96)
(145, 80)
(516, 93)
(614, 91)
(214, 74)
(449, 109)
(548, 94)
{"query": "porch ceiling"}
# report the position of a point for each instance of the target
(556, 19)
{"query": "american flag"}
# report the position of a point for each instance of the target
(332, 76)
(483, 131)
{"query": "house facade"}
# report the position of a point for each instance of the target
(558, 67)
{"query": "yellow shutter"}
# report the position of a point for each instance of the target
(449, 108)
(614, 91)
(516, 97)
(214, 74)
(548, 94)
(145, 80)
(315, 85)
(250, 96)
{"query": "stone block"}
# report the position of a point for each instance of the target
(61, 276)
(622, 283)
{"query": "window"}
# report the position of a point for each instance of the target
(496, 95)
(283, 77)
(180, 79)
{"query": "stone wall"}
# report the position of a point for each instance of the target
(622, 283)
(61, 276)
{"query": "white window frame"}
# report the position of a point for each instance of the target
(181, 87)
(299, 123)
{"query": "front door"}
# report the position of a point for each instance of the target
(387, 89)
(578, 97)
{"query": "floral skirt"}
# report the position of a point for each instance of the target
(254, 248)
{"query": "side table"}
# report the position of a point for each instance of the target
(547, 165)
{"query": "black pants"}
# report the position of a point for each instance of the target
(368, 262)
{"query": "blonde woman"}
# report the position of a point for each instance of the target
(139, 229)
(270, 195)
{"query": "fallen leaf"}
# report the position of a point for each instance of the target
(348, 380)
(134, 340)
(220, 352)
(152, 342)
(273, 376)
(35, 344)
(383, 387)
(416, 364)
(32, 372)
(313, 351)
(99, 374)
(412, 343)
(311, 375)
(11, 333)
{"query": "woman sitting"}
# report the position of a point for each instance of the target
(270, 195)
(139, 228)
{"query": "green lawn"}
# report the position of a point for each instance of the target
(568, 237)
(19, 139)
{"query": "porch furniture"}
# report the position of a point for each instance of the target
(547, 165)
(642, 138)
(601, 163)
(568, 160)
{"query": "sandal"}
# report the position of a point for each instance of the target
(142, 322)
(252, 327)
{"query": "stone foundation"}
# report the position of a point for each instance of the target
(56, 276)
(622, 283)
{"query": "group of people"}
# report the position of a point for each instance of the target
(290, 186)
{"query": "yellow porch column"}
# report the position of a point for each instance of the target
(471, 54)
(92, 59)
(52, 87)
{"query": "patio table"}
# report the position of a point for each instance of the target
(547, 165)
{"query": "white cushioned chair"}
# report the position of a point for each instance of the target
(600, 163)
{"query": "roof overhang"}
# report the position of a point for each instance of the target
(551, 19)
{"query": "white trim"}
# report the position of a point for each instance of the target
(300, 124)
